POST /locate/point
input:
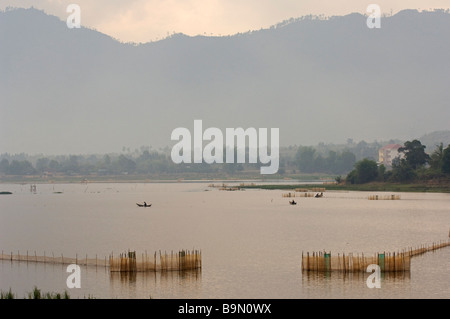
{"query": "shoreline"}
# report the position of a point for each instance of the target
(267, 184)
(186, 178)
(370, 187)
(181, 180)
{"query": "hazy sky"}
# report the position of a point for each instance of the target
(149, 20)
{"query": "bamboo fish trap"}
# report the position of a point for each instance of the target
(348, 263)
(124, 262)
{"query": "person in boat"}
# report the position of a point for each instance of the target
(145, 204)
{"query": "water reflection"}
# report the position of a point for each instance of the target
(154, 284)
(131, 277)
(236, 230)
(353, 285)
(311, 276)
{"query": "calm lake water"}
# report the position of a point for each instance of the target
(251, 241)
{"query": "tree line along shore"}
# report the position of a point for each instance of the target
(413, 169)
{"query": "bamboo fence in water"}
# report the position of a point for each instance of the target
(298, 195)
(52, 259)
(388, 262)
(125, 262)
(304, 192)
(181, 261)
(384, 197)
(313, 189)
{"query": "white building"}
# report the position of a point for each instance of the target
(387, 153)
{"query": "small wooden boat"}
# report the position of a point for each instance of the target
(319, 195)
(144, 205)
(292, 202)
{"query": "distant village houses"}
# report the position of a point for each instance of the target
(387, 153)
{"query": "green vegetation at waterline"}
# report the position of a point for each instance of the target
(152, 164)
(37, 294)
(412, 165)
(295, 162)
(358, 162)
(412, 171)
(7, 295)
(442, 187)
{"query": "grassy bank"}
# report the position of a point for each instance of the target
(372, 187)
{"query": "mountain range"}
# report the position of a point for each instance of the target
(318, 80)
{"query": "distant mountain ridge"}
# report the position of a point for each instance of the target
(80, 91)
(433, 139)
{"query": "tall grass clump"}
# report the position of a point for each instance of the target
(7, 295)
(37, 294)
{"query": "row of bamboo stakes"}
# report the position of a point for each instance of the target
(384, 197)
(55, 260)
(229, 188)
(125, 262)
(310, 194)
(388, 262)
(304, 192)
(314, 189)
(225, 187)
(181, 261)
(298, 195)
(215, 185)
(246, 184)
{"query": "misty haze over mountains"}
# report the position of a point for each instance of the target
(79, 91)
